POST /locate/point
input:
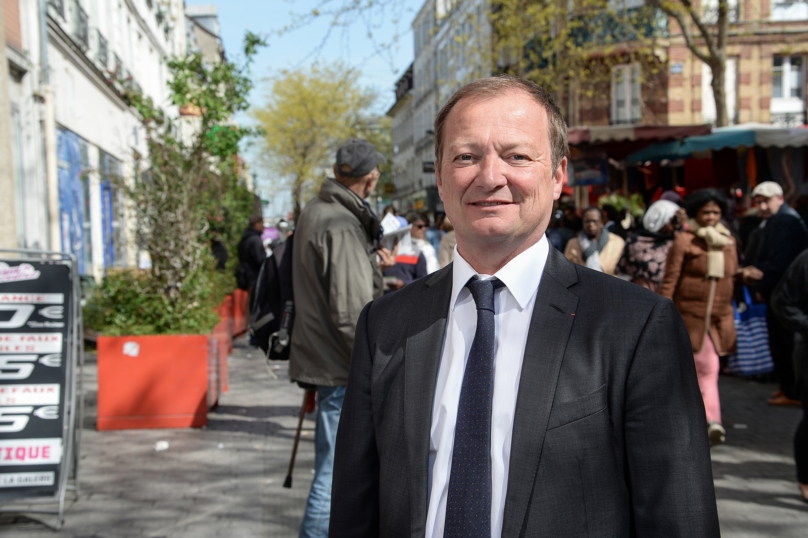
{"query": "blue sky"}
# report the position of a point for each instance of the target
(301, 47)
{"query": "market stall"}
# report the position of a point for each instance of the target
(737, 156)
(598, 156)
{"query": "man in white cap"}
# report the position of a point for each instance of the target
(783, 236)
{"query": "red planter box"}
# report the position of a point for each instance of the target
(152, 381)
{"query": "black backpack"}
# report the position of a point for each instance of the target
(272, 311)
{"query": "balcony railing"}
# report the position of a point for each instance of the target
(102, 53)
(710, 14)
(58, 6)
(81, 26)
(791, 119)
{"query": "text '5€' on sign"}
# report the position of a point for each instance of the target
(40, 353)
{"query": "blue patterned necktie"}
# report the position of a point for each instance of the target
(468, 505)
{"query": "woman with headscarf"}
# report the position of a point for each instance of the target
(699, 278)
(647, 250)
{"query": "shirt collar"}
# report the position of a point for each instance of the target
(521, 275)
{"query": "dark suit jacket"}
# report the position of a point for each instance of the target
(609, 438)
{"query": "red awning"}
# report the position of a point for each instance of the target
(620, 133)
(620, 140)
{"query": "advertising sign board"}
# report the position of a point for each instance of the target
(38, 351)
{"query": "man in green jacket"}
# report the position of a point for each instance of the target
(336, 273)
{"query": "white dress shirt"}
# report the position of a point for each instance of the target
(513, 305)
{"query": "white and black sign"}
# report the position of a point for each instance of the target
(35, 316)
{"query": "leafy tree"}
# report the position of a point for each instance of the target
(573, 46)
(712, 24)
(309, 113)
(189, 180)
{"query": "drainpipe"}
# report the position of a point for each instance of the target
(51, 165)
(8, 221)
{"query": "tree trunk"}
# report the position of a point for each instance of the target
(718, 84)
(297, 194)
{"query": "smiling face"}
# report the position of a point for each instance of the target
(496, 178)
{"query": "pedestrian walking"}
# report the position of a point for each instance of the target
(336, 273)
(783, 236)
(594, 246)
(447, 244)
(700, 279)
(646, 251)
(789, 302)
(251, 254)
(494, 397)
(435, 232)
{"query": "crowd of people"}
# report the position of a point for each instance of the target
(693, 253)
(686, 250)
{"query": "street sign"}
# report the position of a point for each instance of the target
(40, 344)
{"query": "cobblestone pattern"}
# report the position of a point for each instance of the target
(226, 480)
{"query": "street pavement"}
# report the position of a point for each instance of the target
(226, 479)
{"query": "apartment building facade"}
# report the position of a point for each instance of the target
(73, 136)
(449, 43)
(765, 79)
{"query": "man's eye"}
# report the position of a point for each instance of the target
(519, 157)
(465, 157)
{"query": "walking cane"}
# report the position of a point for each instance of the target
(288, 482)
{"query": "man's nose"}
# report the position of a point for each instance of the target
(492, 171)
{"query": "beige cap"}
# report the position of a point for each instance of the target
(768, 189)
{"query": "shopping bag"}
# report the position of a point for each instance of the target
(753, 356)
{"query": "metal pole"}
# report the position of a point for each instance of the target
(51, 164)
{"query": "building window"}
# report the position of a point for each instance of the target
(788, 90)
(708, 111)
(626, 98)
(81, 27)
(102, 53)
(789, 10)
(111, 214)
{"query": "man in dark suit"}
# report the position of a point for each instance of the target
(494, 397)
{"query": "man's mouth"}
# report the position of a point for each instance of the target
(489, 204)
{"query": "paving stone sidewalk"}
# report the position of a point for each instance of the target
(226, 480)
(223, 480)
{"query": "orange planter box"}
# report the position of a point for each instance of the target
(152, 381)
(240, 300)
(223, 333)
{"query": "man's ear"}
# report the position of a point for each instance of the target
(335, 170)
(559, 178)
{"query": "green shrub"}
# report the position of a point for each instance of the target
(126, 304)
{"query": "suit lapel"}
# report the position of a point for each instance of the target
(422, 356)
(549, 331)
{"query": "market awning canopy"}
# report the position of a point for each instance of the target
(583, 136)
(743, 135)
